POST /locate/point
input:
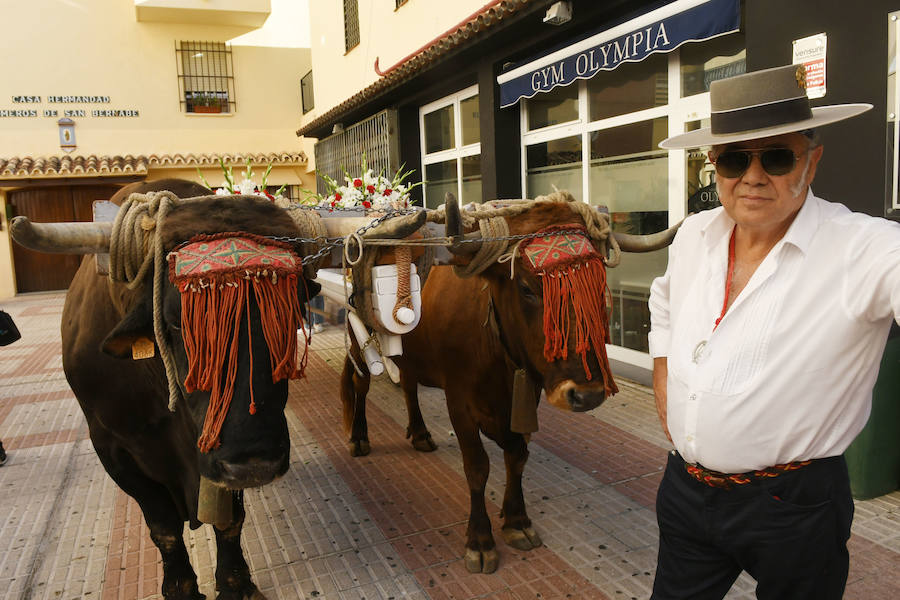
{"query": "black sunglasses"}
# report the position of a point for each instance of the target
(775, 161)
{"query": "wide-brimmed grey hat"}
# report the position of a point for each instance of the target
(761, 104)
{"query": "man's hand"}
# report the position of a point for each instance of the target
(660, 376)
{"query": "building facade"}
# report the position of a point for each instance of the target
(99, 94)
(511, 98)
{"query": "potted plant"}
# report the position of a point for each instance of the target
(206, 102)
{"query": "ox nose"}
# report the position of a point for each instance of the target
(252, 473)
(582, 400)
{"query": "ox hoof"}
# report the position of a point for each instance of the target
(359, 448)
(522, 539)
(481, 562)
(424, 443)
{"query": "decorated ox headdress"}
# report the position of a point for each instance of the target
(215, 274)
(574, 276)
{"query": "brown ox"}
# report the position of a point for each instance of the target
(150, 452)
(474, 334)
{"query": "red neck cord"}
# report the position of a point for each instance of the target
(728, 278)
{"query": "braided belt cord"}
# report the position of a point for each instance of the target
(727, 480)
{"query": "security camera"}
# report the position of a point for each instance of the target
(559, 13)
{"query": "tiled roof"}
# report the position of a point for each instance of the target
(100, 166)
(452, 40)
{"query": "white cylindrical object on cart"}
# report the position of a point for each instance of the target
(406, 315)
(370, 354)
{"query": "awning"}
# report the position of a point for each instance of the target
(658, 31)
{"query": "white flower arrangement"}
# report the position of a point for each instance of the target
(369, 191)
(247, 187)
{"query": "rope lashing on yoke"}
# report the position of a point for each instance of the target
(136, 245)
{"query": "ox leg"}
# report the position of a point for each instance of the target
(481, 552)
(161, 517)
(353, 399)
(416, 430)
(517, 529)
(232, 573)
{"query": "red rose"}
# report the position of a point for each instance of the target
(388, 192)
(357, 182)
(370, 189)
(367, 204)
(337, 198)
(333, 203)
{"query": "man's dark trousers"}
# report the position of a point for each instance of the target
(788, 532)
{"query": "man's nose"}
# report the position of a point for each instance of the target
(755, 172)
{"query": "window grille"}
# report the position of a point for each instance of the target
(205, 77)
(375, 138)
(306, 93)
(351, 24)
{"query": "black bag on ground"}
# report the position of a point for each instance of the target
(8, 330)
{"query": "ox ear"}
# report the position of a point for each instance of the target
(307, 289)
(135, 327)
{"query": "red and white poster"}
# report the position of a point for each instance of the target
(810, 52)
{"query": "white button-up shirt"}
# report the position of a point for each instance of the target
(788, 373)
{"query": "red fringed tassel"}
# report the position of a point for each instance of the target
(583, 287)
(211, 319)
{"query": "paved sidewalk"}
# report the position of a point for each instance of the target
(387, 526)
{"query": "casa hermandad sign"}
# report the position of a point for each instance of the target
(67, 112)
(658, 31)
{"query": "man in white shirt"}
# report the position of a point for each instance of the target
(766, 333)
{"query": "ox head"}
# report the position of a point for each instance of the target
(549, 307)
(247, 449)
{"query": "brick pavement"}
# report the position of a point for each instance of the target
(387, 526)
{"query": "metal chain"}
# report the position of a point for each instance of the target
(332, 243)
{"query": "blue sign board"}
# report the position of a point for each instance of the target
(662, 30)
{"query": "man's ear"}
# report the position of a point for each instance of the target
(815, 155)
(135, 326)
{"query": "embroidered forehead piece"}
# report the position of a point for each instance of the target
(573, 277)
(556, 249)
(217, 276)
(226, 257)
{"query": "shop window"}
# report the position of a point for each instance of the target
(554, 165)
(351, 24)
(700, 175)
(631, 87)
(629, 175)
(440, 129)
(719, 58)
(451, 148)
(893, 117)
(205, 77)
(559, 105)
(307, 99)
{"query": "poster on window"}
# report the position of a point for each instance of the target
(810, 52)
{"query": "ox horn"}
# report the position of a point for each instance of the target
(646, 243)
(62, 238)
(464, 244)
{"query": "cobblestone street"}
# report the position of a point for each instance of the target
(386, 526)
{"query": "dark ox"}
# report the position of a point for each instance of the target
(473, 335)
(150, 452)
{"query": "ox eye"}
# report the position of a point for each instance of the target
(528, 293)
